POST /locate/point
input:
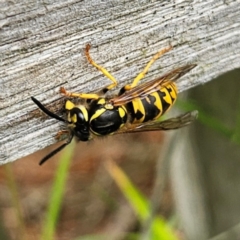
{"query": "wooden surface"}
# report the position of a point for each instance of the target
(42, 49)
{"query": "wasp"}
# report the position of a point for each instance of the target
(136, 108)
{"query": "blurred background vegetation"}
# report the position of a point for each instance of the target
(136, 186)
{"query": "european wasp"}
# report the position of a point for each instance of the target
(136, 108)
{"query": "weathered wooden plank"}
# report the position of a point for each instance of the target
(42, 49)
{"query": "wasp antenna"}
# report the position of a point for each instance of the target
(191, 66)
(55, 151)
(45, 110)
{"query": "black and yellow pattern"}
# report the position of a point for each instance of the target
(135, 109)
(154, 105)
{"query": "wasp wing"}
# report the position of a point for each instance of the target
(147, 88)
(169, 124)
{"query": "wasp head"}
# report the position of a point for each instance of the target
(78, 120)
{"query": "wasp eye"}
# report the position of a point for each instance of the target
(79, 117)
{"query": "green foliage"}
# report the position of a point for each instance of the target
(159, 229)
(206, 118)
(58, 188)
(12, 186)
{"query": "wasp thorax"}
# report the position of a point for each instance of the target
(106, 118)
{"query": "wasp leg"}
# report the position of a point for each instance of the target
(79, 95)
(145, 70)
(61, 133)
(101, 69)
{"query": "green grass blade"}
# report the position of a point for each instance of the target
(206, 118)
(236, 134)
(159, 229)
(12, 185)
(57, 193)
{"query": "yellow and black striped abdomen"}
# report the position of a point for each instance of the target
(153, 105)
